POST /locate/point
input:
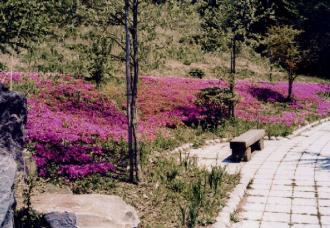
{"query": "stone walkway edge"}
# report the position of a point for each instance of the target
(223, 219)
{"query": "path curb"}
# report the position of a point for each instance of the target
(223, 219)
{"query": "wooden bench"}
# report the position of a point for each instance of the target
(243, 145)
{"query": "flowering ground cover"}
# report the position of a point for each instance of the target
(70, 122)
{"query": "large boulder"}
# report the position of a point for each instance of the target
(7, 181)
(13, 116)
(91, 210)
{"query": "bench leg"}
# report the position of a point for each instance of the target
(260, 145)
(247, 154)
(237, 155)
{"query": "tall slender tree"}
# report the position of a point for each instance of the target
(132, 77)
(283, 49)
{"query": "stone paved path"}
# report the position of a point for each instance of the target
(291, 183)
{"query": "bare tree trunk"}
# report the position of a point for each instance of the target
(232, 75)
(129, 92)
(290, 89)
(135, 86)
(271, 73)
(132, 83)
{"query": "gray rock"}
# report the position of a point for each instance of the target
(7, 180)
(13, 117)
(60, 220)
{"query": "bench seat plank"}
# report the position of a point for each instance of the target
(243, 145)
(248, 138)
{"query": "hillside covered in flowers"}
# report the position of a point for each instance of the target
(70, 122)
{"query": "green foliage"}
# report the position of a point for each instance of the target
(214, 31)
(215, 104)
(196, 200)
(93, 183)
(215, 178)
(234, 217)
(3, 67)
(326, 95)
(197, 73)
(22, 21)
(282, 47)
(225, 19)
(99, 53)
(26, 86)
(27, 216)
(277, 130)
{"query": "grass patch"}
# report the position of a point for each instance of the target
(26, 86)
(173, 192)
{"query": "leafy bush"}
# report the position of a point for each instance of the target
(215, 106)
(197, 73)
(3, 67)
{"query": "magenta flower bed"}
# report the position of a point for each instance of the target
(69, 120)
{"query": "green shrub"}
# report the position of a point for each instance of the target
(215, 106)
(3, 67)
(197, 73)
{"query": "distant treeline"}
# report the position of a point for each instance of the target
(312, 17)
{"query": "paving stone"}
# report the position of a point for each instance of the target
(254, 207)
(275, 193)
(252, 215)
(265, 224)
(306, 226)
(325, 220)
(258, 192)
(278, 208)
(324, 210)
(324, 189)
(283, 182)
(324, 203)
(304, 182)
(279, 200)
(304, 209)
(308, 195)
(260, 186)
(324, 195)
(257, 199)
(304, 219)
(282, 188)
(303, 202)
(276, 217)
(247, 224)
(323, 183)
(304, 188)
